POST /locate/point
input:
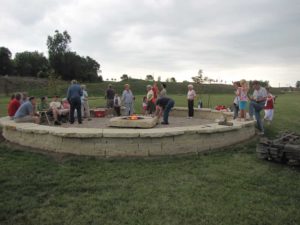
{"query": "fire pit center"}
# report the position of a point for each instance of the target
(133, 121)
(133, 117)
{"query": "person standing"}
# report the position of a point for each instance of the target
(164, 106)
(191, 95)
(257, 103)
(109, 95)
(269, 107)
(85, 108)
(236, 100)
(163, 92)
(155, 92)
(127, 100)
(150, 100)
(242, 94)
(74, 97)
(117, 104)
(14, 105)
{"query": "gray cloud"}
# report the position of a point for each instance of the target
(256, 39)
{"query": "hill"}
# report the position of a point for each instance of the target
(42, 87)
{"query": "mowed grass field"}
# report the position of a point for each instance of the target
(230, 186)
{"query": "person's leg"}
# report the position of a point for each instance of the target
(131, 109)
(55, 114)
(189, 108)
(167, 110)
(72, 109)
(192, 108)
(235, 111)
(251, 108)
(87, 109)
(258, 107)
(127, 109)
(82, 110)
(118, 111)
(78, 108)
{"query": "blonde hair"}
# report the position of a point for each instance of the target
(243, 82)
(190, 86)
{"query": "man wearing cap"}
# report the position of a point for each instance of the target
(257, 103)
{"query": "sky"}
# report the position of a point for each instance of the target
(229, 40)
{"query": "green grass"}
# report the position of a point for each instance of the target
(225, 187)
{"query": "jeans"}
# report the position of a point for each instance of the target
(191, 107)
(75, 103)
(167, 110)
(254, 109)
(128, 109)
(235, 111)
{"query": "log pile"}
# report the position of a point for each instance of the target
(285, 149)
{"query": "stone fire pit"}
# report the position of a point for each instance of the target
(133, 121)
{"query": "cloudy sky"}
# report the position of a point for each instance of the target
(228, 40)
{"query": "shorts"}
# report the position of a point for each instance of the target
(242, 105)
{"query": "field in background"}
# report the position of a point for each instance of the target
(225, 187)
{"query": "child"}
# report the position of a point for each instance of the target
(269, 106)
(242, 94)
(144, 105)
(117, 104)
(236, 100)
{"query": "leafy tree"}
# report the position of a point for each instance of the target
(58, 46)
(68, 64)
(124, 77)
(199, 78)
(149, 77)
(31, 63)
(6, 65)
(298, 84)
(59, 43)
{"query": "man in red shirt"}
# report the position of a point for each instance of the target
(13, 105)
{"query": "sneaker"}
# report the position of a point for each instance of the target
(164, 123)
(57, 123)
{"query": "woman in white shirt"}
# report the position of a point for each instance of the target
(191, 95)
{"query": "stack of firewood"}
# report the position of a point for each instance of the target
(285, 148)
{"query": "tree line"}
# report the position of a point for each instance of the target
(62, 62)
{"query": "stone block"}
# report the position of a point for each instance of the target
(132, 150)
(121, 133)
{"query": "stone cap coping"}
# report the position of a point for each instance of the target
(5, 122)
(203, 110)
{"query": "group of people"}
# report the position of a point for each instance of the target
(155, 102)
(22, 108)
(261, 99)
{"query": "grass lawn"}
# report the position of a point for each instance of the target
(225, 187)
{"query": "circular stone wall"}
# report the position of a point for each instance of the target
(111, 142)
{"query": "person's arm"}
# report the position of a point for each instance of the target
(264, 97)
(158, 112)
